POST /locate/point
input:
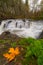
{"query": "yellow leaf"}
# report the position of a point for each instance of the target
(16, 52)
(6, 55)
(13, 52)
(12, 57)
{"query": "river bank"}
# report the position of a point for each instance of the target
(30, 50)
(26, 35)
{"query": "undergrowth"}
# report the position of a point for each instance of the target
(33, 47)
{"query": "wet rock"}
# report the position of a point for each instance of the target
(0, 23)
(9, 36)
(41, 36)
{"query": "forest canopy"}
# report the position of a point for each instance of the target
(19, 9)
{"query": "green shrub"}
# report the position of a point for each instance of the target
(13, 44)
(36, 49)
(26, 41)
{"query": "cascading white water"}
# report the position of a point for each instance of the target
(22, 28)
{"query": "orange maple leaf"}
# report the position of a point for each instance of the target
(6, 55)
(16, 52)
(13, 52)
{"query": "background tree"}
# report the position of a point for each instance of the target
(26, 2)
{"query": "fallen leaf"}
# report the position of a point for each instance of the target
(16, 52)
(6, 55)
(13, 52)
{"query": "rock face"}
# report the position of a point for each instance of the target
(41, 36)
(9, 36)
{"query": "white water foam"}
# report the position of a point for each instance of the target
(22, 29)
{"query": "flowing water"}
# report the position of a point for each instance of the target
(23, 28)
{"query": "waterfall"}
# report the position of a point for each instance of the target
(22, 28)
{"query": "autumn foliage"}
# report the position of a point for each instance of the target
(10, 55)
